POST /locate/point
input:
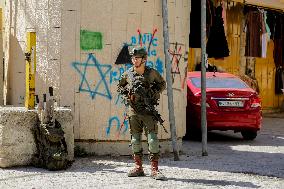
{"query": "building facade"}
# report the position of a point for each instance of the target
(79, 50)
(262, 69)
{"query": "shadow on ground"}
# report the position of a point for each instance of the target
(228, 152)
(216, 182)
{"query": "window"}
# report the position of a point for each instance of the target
(217, 82)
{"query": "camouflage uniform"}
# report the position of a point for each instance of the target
(140, 118)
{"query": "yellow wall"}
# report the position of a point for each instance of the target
(264, 67)
(265, 75)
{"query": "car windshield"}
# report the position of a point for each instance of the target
(217, 82)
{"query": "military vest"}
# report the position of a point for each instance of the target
(146, 83)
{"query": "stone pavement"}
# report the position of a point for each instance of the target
(232, 163)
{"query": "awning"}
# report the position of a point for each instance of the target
(273, 4)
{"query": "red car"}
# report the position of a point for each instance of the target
(231, 104)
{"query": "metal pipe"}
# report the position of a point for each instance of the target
(169, 81)
(30, 57)
(203, 79)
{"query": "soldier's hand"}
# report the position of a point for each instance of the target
(131, 97)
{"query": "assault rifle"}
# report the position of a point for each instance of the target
(136, 86)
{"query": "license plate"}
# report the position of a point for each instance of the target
(231, 103)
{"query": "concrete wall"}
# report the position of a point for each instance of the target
(1, 56)
(77, 46)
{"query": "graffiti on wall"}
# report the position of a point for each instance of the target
(176, 56)
(147, 40)
(116, 72)
(121, 126)
(123, 56)
(102, 88)
(91, 40)
(99, 86)
(102, 70)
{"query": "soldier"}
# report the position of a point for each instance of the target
(148, 81)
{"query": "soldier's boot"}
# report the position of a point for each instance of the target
(155, 173)
(138, 169)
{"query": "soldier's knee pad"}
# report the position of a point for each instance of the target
(153, 142)
(136, 143)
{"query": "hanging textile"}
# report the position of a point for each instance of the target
(271, 22)
(279, 80)
(254, 30)
(195, 22)
(279, 41)
(195, 25)
(217, 46)
(264, 39)
(267, 26)
(210, 16)
(275, 20)
(282, 75)
(224, 16)
(279, 53)
(265, 36)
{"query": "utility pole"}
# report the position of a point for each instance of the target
(203, 79)
(169, 81)
(30, 57)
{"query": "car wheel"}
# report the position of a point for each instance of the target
(249, 135)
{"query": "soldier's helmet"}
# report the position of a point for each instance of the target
(138, 51)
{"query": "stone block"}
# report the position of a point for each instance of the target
(17, 144)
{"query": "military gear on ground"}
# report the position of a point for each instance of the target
(49, 138)
(155, 173)
(51, 147)
(138, 170)
(139, 51)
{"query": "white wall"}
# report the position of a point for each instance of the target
(44, 17)
(1, 56)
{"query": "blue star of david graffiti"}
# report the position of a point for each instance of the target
(102, 69)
